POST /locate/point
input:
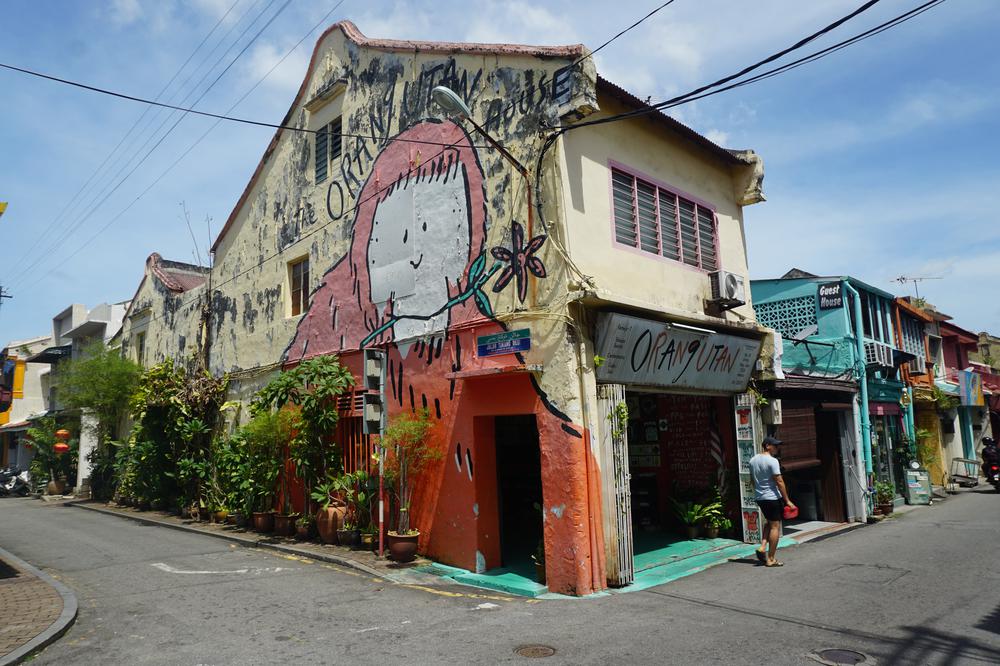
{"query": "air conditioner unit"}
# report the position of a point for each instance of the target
(728, 288)
(878, 354)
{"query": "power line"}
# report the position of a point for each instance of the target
(93, 209)
(52, 225)
(201, 138)
(817, 55)
(634, 25)
(245, 121)
(154, 316)
(731, 77)
(696, 94)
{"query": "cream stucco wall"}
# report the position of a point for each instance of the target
(648, 148)
(286, 215)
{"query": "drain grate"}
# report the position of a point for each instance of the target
(841, 657)
(535, 651)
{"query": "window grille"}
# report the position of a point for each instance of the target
(328, 148)
(788, 316)
(661, 222)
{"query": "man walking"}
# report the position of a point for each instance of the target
(771, 496)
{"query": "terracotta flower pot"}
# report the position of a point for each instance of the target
(693, 531)
(328, 521)
(403, 547)
(885, 508)
(56, 487)
(284, 523)
(263, 521)
(220, 515)
(711, 532)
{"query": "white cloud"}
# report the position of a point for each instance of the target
(124, 12)
(288, 75)
(517, 22)
(718, 137)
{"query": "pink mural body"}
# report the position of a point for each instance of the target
(414, 283)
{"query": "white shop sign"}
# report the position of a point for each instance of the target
(653, 353)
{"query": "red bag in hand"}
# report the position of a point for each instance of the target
(790, 512)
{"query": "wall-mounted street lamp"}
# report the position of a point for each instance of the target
(456, 108)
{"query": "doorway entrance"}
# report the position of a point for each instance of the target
(519, 490)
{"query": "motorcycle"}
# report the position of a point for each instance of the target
(17, 484)
(993, 474)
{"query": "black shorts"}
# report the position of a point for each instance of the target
(772, 509)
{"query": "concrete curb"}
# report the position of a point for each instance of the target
(246, 542)
(54, 630)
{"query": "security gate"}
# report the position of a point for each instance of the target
(617, 496)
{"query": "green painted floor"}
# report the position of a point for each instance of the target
(659, 558)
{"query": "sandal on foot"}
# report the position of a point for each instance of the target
(776, 563)
(761, 556)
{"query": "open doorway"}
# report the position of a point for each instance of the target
(519, 490)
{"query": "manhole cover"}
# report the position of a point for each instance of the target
(840, 657)
(535, 651)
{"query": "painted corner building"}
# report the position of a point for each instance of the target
(503, 296)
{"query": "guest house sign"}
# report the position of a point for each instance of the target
(653, 353)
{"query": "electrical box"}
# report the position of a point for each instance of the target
(373, 371)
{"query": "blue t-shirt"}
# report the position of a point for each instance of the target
(764, 467)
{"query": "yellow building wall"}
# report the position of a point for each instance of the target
(649, 149)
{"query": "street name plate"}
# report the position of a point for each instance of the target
(509, 342)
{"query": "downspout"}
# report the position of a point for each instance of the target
(866, 428)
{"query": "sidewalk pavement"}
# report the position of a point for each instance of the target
(365, 561)
(35, 609)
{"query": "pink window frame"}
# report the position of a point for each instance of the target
(660, 185)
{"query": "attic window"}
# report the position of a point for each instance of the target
(328, 148)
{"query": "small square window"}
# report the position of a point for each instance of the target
(298, 279)
(328, 148)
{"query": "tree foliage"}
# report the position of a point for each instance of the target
(101, 381)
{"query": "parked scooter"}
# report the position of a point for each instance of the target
(17, 484)
(992, 471)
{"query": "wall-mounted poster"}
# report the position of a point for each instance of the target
(746, 447)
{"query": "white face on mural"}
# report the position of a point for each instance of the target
(418, 247)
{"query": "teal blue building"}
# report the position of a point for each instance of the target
(845, 413)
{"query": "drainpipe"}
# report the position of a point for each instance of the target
(866, 428)
(911, 421)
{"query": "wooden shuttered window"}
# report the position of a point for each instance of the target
(328, 148)
(322, 159)
(299, 279)
(661, 222)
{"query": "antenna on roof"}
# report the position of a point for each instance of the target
(903, 279)
(187, 220)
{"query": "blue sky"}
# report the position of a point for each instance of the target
(880, 160)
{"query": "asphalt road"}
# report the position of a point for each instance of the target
(918, 589)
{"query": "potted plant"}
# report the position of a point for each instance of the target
(369, 539)
(692, 516)
(332, 509)
(726, 527)
(347, 534)
(303, 527)
(884, 495)
(408, 450)
(264, 437)
(358, 494)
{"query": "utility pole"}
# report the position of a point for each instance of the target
(3, 295)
